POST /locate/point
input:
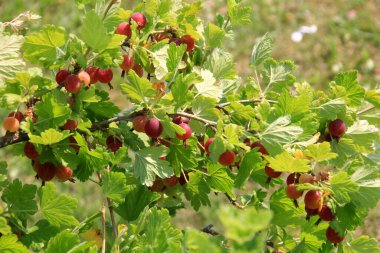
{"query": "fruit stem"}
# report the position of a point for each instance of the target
(192, 116)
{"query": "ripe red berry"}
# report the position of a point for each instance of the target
(74, 144)
(91, 71)
(114, 143)
(63, 173)
(73, 84)
(170, 181)
(178, 120)
(85, 78)
(292, 178)
(11, 124)
(18, 115)
(70, 125)
(124, 28)
(306, 178)
(261, 147)
(61, 76)
(46, 171)
(271, 172)
(139, 70)
(128, 63)
(157, 186)
(31, 151)
(140, 19)
(333, 236)
(104, 75)
(311, 212)
(176, 41)
(292, 193)
(184, 178)
(189, 41)
(326, 213)
(313, 199)
(160, 36)
(153, 128)
(227, 158)
(337, 128)
(187, 133)
(139, 123)
(207, 145)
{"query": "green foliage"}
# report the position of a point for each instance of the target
(264, 121)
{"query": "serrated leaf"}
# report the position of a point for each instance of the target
(181, 84)
(197, 241)
(4, 228)
(208, 87)
(114, 186)
(353, 92)
(372, 96)
(20, 199)
(148, 165)
(342, 186)
(221, 64)
(62, 243)
(10, 60)
(261, 50)
(213, 35)
(96, 39)
(42, 232)
(136, 199)
(362, 244)
(197, 190)
(250, 161)
(240, 15)
(138, 88)
(57, 209)
(278, 133)
(219, 179)
(285, 162)
(50, 136)
(320, 152)
(330, 109)
(284, 211)
(9, 244)
(174, 56)
(278, 75)
(181, 157)
(42, 47)
(205, 108)
(159, 58)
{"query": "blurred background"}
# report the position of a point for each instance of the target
(322, 37)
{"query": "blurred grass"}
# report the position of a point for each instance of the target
(348, 37)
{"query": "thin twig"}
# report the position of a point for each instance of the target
(104, 228)
(112, 215)
(366, 109)
(234, 202)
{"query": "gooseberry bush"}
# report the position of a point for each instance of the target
(297, 169)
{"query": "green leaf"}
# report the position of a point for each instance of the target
(243, 225)
(50, 136)
(213, 35)
(312, 242)
(137, 88)
(348, 217)
(372, 96)
(57, 209)
(369, 188)
(320, 152)
(208, 87)
(205, 108)
(51, 113)
(250, 161)
(9, 244)
(181, 157)
(278, 75)
(240, 15)
(362, 244)
(219, 180)
(196, 241)
(363, 135)
(42, 231)
(148, 164)
(20, 199)
(284, 211)
(180, 84)
(114, 186)
(88, 162)
(62, 243)
(4, 228)
(342, 186)
(353, 93)
(174, 56)
(285, 162)
(10, 60)
(197, 190)
(103, 110)
(278, 133)
(261, 50)
(330, 109)
(42, 47)
(96, 39)
(240, 114)
(221, 64)
(136, 199)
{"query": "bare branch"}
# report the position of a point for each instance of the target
(234, 202)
